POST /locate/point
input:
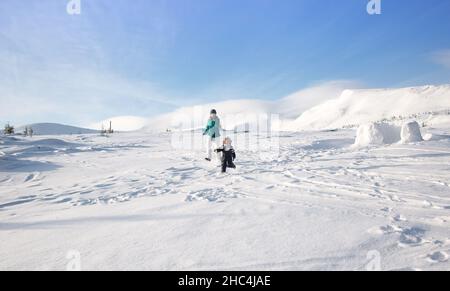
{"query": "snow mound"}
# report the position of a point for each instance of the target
(55, 129)
(369, 134)
(357, 107)
(380, 133)
(411, 132)
(377, 134)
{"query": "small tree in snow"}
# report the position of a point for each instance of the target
(110, 129)
(9, 129)
(28, 131)
(103, 131)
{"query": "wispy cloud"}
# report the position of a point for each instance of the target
(57, 92)
(72, 69)
(442, 57)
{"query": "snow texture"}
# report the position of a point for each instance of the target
(325, 201)
(132, 202)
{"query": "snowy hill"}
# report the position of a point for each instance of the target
(322, 107)
(326, 106)
(238, 112)
(355, 107)
(55, 129)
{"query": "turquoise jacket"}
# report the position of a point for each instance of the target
(213, 128)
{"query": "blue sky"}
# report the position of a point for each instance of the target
(145, 57)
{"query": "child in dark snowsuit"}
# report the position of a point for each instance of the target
(228, 155)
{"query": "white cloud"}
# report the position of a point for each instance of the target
(52, 92)
(57, 68)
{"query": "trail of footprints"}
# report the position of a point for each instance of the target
(121, 188)
(412, 236)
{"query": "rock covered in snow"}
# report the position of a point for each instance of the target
(411, 132)
(386, 133)
(369, 134)
(377, 134)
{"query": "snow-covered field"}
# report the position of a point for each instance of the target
(131, 201)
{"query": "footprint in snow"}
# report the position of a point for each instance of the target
(409, 237)
(384, 230)
(211, 195)
(65, 200)
(412, 237)
(6, 180)
(438, 257)
(31, 177)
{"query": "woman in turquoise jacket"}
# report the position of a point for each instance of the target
(212, 132)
